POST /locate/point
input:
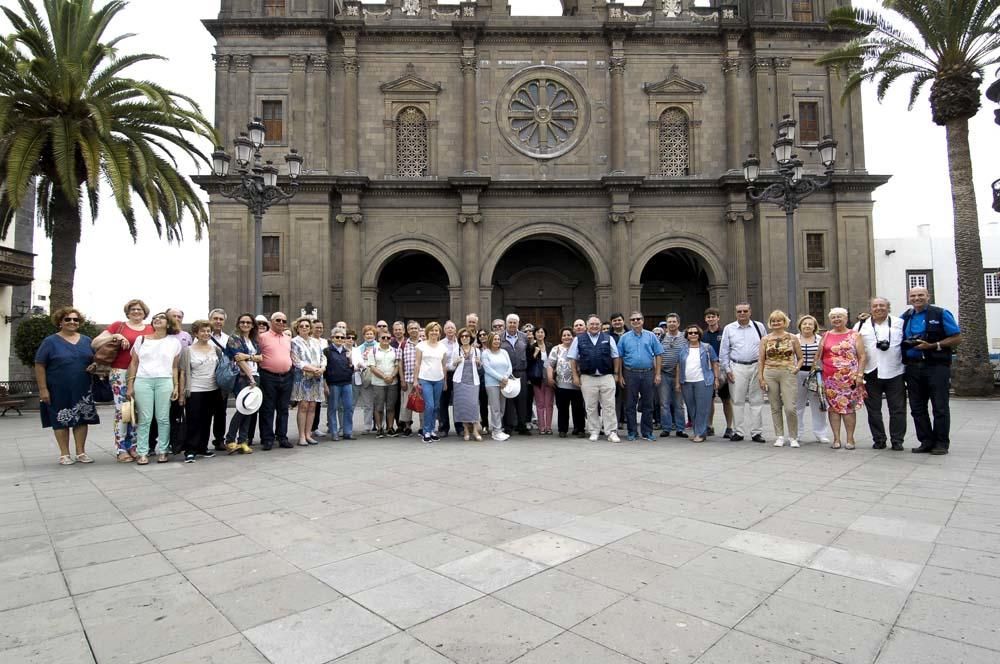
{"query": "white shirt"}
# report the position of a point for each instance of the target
(889, 363)
(740, 344)
(431, 357)
(692, 368)
(156, 356)
(202, 374)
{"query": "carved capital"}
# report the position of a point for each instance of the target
(469, 65)
(782, 63)
(731, 65)
(319, 63)
(356, 217)
(221, 62)
(242, 62)
(619, 217)
(734, 216)
(297, 61)
(761, 65)
(465, 218)
(616, 65)
(351, 64)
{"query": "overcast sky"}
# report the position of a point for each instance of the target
(111, 269)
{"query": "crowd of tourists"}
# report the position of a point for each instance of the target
(171, 387)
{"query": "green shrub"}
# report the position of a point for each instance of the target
(32, 331)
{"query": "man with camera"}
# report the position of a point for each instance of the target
(883, 337)
(930, 334)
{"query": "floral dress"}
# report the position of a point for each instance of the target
(844, 393)
(307, 351)
(71, 403)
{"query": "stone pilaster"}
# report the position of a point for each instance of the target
(297, 109)
(783, 88)
(736, 215)
(616, 67)
(241, 106)
(317, 130)
(763, 106)
(221, 93)
(734, 116)
(351, 67)
(469, 67)
(471, 260)
(352, 266)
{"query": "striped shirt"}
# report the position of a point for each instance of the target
(671, 348)
(809, 351)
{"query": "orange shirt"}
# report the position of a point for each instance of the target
(276, 351)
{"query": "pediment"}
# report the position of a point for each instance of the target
(674, 84)
(410, 83)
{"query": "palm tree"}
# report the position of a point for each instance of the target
(947, 43)
(67, 118)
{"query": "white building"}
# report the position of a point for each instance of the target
(16, 275)
(929, 260)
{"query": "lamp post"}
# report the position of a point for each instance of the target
(22, 310)
(791, 188)
(257, 189)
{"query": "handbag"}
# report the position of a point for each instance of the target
(226, 371)
(100, 390)
(108, 352)
(415, 402)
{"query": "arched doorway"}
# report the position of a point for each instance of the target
(413, 285)
(545, 280)
(674, 281)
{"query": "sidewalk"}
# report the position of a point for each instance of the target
(538, 550)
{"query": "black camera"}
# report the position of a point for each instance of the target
(882, 345)
(911, 342)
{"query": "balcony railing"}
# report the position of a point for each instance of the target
(17, 268)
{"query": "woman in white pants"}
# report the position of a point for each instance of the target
(810, 342)
(497, 369)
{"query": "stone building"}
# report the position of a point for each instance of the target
(462, 159)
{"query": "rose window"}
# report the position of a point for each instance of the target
(543, 112)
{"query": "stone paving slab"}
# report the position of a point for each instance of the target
(537, 551)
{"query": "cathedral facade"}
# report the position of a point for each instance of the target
(460, 159)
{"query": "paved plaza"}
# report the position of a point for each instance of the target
(538, 550)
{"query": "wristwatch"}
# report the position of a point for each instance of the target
(939, 345)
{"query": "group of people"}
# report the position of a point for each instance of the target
(431, 379)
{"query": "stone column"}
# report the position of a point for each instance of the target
(764, 135)
(471, 263)
(297, 103)
(222, 94)
(469, 125)
(352, 267)
(856, 159)
(734, 115)
(783, 88)
(620, 244)
(616, 66)
(350, 103)
(241, 106)
(736, 215)
(317, 128)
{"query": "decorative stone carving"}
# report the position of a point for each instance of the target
(355, 217)
(435, 14)
(386, 13)
(675, 140)
(351, 64)
(297, 61)
(468, 64)
(411, 143)
(242, 62)
(760, 65)
(621, 217)
(464, 218)
(731, 65)
(543, 112)
(411, 7)
(469, 10)
(782, 63)
(319, 62)
(734, 216)
(616, 65)
(221, 62)
(671, 8)
(614, 12)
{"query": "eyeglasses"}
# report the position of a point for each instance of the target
(156, 318)
(279, 320)
(338, 336)
(635, 319)
(246, 322)
(697, 334)
(384, 338)
(71, 319)
(352, 337)
(262, 324)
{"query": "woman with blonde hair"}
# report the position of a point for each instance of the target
(777, 369)
(124, 333)
(843, 356)
(810, 340)
(307, 388)
(430, 363)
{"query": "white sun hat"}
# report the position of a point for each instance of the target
(249, 399)
(512, 388)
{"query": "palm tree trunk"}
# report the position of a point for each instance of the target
(65, 238)
(973, 375)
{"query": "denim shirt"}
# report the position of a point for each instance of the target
(707, 357)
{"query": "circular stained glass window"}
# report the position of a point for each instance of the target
(543, 113)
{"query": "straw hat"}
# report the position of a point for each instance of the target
(128, 411)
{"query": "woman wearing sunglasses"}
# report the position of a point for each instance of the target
(64, 384)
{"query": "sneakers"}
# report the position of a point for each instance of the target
(593, 437)
(208, 455)
(499, 436)
(428, 438)
(631, 437)
(189, 458)
(380, 433)
(613, 438)
(665, 433)
(233, 448)
(793, 442)
(779, 441)
(435, 437)
(651, 438)
(728, 434)
(735, 437)
(710, 432)
(391, 432)
(245, 449)
(824, 439)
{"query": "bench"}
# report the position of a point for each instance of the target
(8, 402)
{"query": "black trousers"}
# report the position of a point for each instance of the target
(199, 409)
(516, 416)
(217, 416)
(484, 404)
(568, 400)
(316, 420)
(930, 382)
(444, 416)
(894, 391)
(273, 419)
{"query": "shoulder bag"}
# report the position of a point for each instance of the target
(226, 371)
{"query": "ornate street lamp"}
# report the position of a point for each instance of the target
(791, 188)
(257, 189)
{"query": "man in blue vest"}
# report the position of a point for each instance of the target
(596, 366)
(640, 352)
(929, 335)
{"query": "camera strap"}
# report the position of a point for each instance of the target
(888, 322)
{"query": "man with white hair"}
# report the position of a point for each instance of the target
(515, 342)
(883, 335)
(593, 356)
(217, 319)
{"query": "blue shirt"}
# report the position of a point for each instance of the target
(918, 325)
(638, 350)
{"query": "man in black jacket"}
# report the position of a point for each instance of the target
(518, 410)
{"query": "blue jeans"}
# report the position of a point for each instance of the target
(432, 390)
(241, 426)
(639, 392)
(698, 397)
(277, 392)
(340, 405)
(671, 404)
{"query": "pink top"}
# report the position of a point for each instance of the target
(125, 356)
(839, 351)
(276, 351)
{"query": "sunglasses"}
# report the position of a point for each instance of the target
(279, 320)
(352, 337)
(246, 322)
(635, 319)
(262, 325)
(338, 336)
(381, 325)
(697, 334)
(156, 318)
(71, 319)
(384, 338)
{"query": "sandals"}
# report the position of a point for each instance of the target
(162, 458)
(66, 460)
(478, 437)
(466, 437)
(849, 446)
(83, 458)
(835, 445)
(142, 460)
(125, 457)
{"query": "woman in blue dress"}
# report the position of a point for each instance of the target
(64, 384)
